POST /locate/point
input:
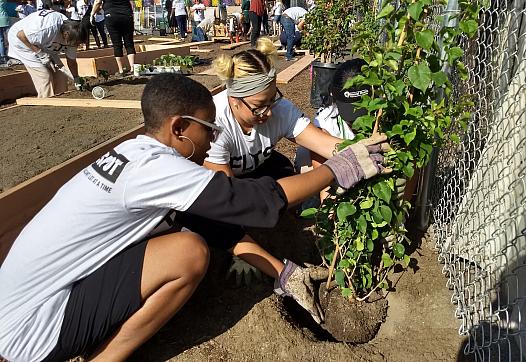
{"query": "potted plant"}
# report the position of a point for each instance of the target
(361, 232)
(328, 34)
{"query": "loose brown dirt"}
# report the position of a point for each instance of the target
(223, 322)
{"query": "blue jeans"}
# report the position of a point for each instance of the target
(290, 30)
(3, 38)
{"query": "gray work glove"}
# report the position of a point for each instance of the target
(358, 161)
(297, 282)
(44, 58)
(243, 271)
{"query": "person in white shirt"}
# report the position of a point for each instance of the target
(24, 10)
(291, 19)
(111, 258)
(276, 12)
(336, 116)
(37, 40)
(198, 12)
(254, 117)
(180, 16)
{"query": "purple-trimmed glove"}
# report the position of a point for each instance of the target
(358, 161)
(297, 282)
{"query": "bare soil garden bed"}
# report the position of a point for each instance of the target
(223, 322)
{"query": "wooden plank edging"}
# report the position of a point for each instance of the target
(79, 102)
(289, 73)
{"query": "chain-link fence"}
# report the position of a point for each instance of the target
(478, 191)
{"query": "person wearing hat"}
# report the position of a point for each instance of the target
(336, 116)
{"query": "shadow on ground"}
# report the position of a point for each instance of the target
(218, 304)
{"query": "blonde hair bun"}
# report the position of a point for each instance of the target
(224, 66)
(267, 48)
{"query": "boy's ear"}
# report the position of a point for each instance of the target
(177, 125)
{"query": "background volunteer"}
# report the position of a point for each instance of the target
(37, 41)
(290, 19)
(119, 22)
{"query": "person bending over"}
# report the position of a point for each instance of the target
(37, 40)
(95, 273)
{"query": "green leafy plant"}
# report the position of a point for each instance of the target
(103, 73)
(170, 60)
(409, 70)
(328, 27)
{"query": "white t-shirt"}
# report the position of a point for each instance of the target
(295, 13)
(179, 8)
(74, 15)
(82, 8)
(42, 28)
(113, 203)
(327, 119)
(245, 152)
(277, 9)
(199, 12)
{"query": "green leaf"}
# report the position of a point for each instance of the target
(408, 137)
(398, 250)
(346, 292)
(386, 212)
(387, 260)
(339, 276)
(345, 209)
(364, 123)
(439, 78)
(309, 213)
(382, 191)
(425, 38)
(377, 217)
(361, 224)
(462, 70)
(406, 261)
(454, 53)
(370, 244)
(420, 76)
(415, 9)
(469, 27)
(455, 138)
(359, 245)
(386, 10)
(344, 263)
(367, 203)
(408, 170)
(374, 236)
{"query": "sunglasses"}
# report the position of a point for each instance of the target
(214, 129)
(260, 111)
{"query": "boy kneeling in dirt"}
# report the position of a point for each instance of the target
(87, 276)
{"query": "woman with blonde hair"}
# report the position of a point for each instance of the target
(254, 116)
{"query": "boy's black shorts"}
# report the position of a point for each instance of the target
(100, 303)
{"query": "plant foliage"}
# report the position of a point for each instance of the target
(409, 67)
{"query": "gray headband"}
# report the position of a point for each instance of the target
(250, 84)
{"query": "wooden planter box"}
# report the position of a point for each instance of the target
(16, 85)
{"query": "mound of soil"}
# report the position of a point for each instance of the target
(350, 320)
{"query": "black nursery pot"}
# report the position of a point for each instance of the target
(322, 74)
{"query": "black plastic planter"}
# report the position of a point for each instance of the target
(322, 74)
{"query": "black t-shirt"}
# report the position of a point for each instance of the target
(117, 7)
